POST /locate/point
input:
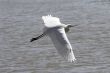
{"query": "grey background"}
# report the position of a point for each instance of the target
(20, 20)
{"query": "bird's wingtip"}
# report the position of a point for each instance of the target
(49, 15)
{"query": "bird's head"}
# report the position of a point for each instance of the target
(68, 26)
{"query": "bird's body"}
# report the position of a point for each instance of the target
(56, 31)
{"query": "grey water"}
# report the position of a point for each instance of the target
(20, 20)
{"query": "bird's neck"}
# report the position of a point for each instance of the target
(66, 30)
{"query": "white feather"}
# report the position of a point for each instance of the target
(62, 44)
(58, 36)
(51, 21)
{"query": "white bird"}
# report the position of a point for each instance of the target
(56, 31)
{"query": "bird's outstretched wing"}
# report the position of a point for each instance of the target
(62, 44)
(50, 21)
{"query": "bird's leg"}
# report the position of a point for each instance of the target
(36, 38)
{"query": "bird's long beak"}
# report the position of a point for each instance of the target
(73, 25)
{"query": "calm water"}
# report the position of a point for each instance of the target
(20, 20)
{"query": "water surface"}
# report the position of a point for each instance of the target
(20, 20)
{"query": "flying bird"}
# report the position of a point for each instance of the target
(57, 32)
